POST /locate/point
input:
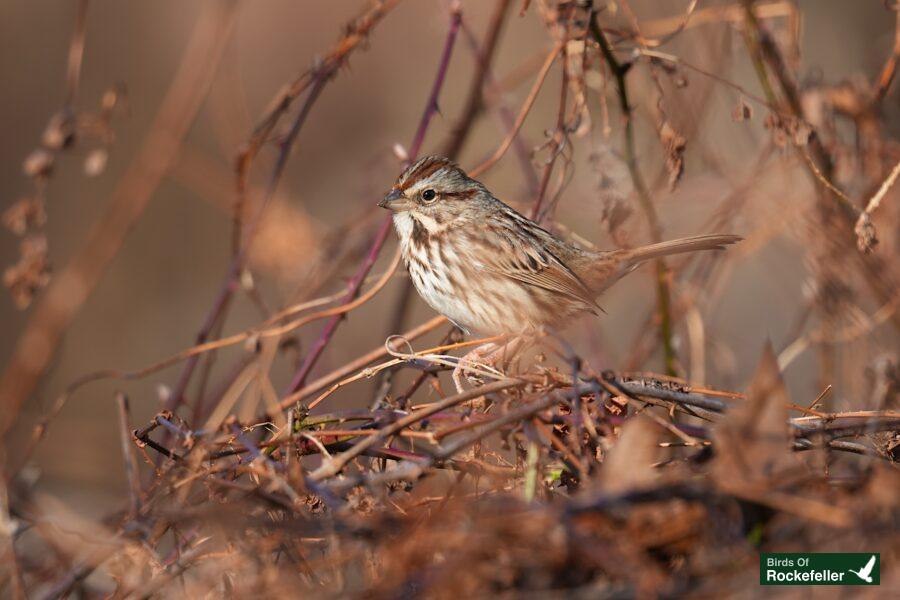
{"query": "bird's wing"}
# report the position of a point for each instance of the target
(869, 566)
(526, 260)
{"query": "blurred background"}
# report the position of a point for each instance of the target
(158, 288)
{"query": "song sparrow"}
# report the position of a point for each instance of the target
(492, 271)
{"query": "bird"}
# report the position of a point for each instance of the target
(494, 272)
(866, 572)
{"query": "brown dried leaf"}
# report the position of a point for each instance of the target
(753, 442)
(674, 144)
(629, 463)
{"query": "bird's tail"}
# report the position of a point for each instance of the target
(600, 270)
(636, 256)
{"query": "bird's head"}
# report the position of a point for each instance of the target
(433, 189)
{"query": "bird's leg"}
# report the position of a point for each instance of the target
(506, 353)
(471, 359)
(496, 355)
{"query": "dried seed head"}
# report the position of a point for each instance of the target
(31, 273)
(115, 97)
(742, 112)
(95, 162)
(25, 214)
(60, 131)
(39, 163)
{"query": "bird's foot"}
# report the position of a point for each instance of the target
(491, 359)
(470, 364)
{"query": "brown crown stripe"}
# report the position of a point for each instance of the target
(424, 168)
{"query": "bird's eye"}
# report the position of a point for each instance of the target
(429, 195)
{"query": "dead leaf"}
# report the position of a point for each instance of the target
(753, 442)
(629, 463)
(673, 144)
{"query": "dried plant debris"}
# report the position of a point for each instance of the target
(742, 111)
(624, 500)
(544, 478)
(31, 273)
(674, 145)
(27, 216)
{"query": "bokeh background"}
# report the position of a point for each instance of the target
(159, 287)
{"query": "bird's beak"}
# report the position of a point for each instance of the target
(395, 201)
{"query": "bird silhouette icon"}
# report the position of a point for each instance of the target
(866, 572)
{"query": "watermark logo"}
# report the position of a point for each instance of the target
(831, 568)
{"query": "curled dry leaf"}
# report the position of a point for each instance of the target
(575, 74)
(674, 144)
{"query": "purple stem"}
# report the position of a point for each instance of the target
(506, 117)
(353, 287)
(237, 263)
(432, 106)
